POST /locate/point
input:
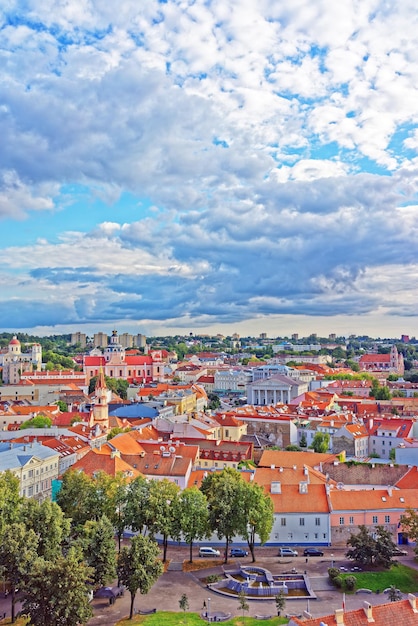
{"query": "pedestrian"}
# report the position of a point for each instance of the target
(204, 604)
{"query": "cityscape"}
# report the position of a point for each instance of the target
(321, 431)
(208, 305)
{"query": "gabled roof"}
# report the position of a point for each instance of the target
(373, 499)
(401, 613)
(94, 462)
(282, 458)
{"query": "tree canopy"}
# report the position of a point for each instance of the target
(139, 567)
(369, 549)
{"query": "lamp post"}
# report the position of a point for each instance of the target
(208, 609)
(332, 560)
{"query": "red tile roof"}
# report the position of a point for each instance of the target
(401, 613)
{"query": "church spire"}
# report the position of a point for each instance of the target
(100, 408)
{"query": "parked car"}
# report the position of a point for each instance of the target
(236, 552)
(207, 551)
(287, 552)
(399, 552)
(312, 552)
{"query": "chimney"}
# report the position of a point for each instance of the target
(413, 602)
(368, 611)
(339, 617)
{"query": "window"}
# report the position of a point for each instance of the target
(387, 519)
(317, 521)
(351, 520)
(306, 536)
(316, 535)
(283, 521)
(227, 433)
(341, 521)
(390, 443)
(301, 521)
(374, 519)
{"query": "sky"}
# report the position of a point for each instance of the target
(209, 166)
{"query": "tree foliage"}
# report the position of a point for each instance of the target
(139, 567)
(99, 550)
(258, 518)
(49, 523)
(18, 548)
(39, 421)
(409, 521)
(320, 442)
(370, 550)
(56, 592)
(10, 499)
(225, 492)
(192, 516)
(162, 506)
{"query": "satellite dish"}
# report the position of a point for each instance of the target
(340, 486)
(171, 449)
(162, 448)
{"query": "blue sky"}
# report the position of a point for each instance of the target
(198, 166)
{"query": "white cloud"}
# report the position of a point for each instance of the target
(247, 126)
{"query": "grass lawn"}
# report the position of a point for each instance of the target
(168, 618)
(403, 577)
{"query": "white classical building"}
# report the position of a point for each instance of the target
(35, 465)
(14, 361)
(274, 390)
(232, 380)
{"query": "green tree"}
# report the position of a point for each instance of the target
(49, 523)
(161, 511)
(10, 500)
(139, 567)
(243, 604)
(63, 407)
(303, 441)
(409, 522)
(99, 550)
(75, 498)
(184, 603)
(191, 515)
(280, 600)
(225, 493)
(320, 442)
(369, 550)
(18, 548)
(258, 515)
(56, 592)
(394, 594)
(136, 509)
(117, 430)
(118, 496)
(39, 421)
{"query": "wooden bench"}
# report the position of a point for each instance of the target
(146, 612)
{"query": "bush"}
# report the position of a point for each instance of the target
(333, 572)
(350, 583)
(338, 581)
(213, 578)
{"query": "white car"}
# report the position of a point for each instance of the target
(206, 551)
(287, 552)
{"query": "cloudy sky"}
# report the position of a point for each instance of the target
(205, 166)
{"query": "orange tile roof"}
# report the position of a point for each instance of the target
(281, 458)
(409, 480)
(290, 500)
(400, 613)
(93, 462)
(373, 499)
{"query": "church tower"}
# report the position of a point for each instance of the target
(100, 408)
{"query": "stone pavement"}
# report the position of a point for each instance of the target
(167, 591)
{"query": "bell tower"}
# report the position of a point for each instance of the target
(101, 408)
